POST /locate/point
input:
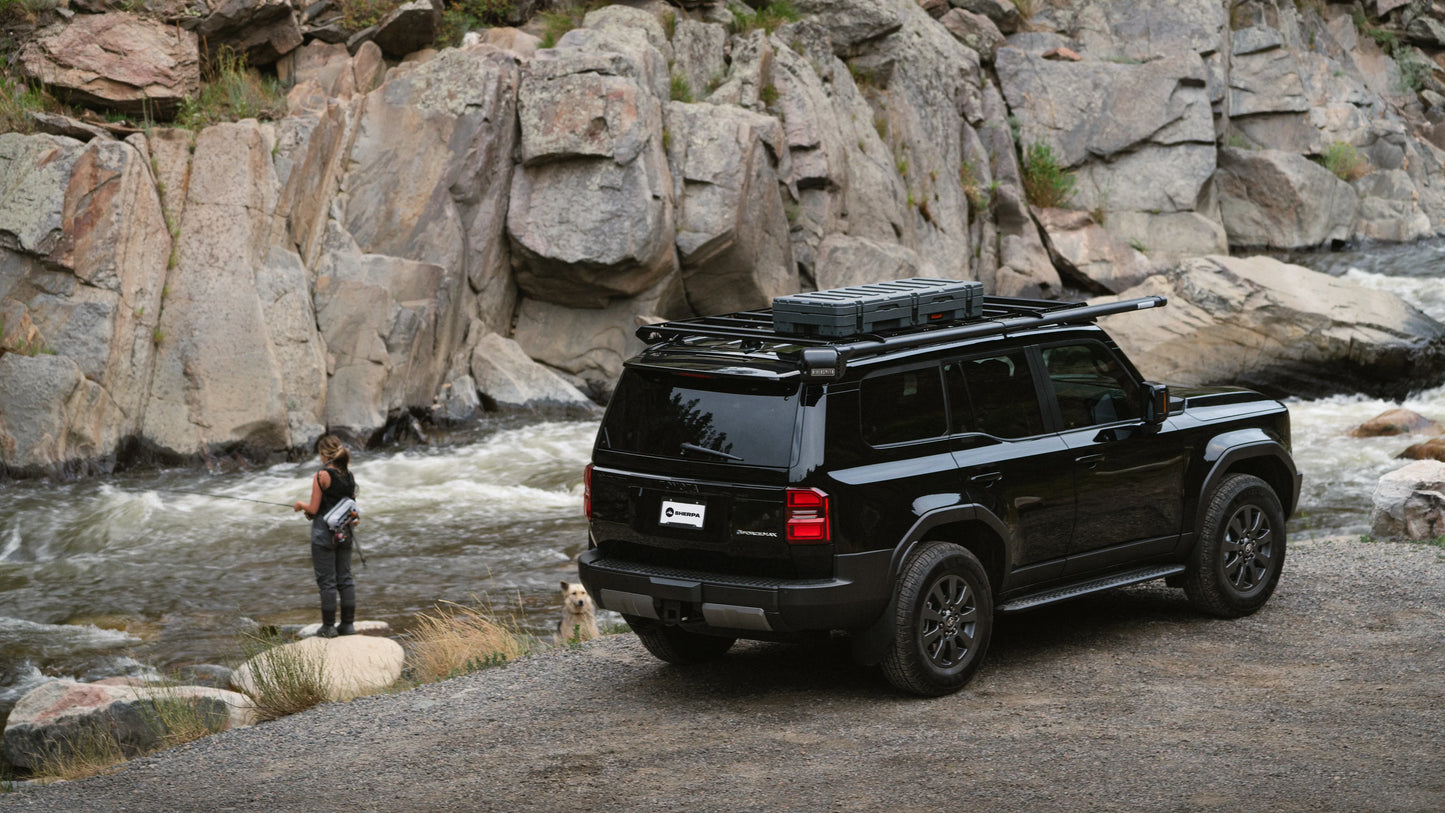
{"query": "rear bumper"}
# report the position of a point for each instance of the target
(852, 599)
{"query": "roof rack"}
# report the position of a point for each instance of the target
(1001, 315)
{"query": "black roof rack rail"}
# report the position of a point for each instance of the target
(1001, 315)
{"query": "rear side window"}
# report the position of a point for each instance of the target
(899, 407)
(1000, 390)
(702, 417)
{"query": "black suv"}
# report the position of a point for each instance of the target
(906, 485)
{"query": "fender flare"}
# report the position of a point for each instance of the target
(1224, 451)
(870, 643)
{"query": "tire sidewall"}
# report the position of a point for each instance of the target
(1206, 583)
(907, 664)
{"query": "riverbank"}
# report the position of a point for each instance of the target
(1328, 699)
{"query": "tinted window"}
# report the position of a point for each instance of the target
(904, 406)
(1001, 392)
(740, 421)
(1090, 385)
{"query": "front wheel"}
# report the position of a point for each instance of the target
(943, 622)
(676, 645)
(1240, 554)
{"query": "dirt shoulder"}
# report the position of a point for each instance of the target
(1331, 698)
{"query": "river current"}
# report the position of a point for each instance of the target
(131, 574)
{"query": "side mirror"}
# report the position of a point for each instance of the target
(1156, 403)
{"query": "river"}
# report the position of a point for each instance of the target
(130, 575)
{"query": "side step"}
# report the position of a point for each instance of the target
(1069, 591)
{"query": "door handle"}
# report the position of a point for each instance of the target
(1090, 460)
(987, 478)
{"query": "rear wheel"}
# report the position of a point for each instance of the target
(1240, 554)
(943, 622)
(677, 645)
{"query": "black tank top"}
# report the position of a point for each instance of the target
(342, 486)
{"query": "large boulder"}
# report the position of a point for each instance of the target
(345, 667)
(261, 31)
(408, 27)
(732, 232)
(844, 261)
(222, 381)
(591, 343)
(1409, 503)
(59, 717)
(83, 249)
(508, 379)
(1280, 328)
(591, 216)
(117, 60)
(1088, 256)
(1140, 137)
(1273, 199)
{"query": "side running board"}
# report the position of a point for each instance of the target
(1077, 589)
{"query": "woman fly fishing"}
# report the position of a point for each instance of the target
(331, 551)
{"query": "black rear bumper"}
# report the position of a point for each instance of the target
(743, 605)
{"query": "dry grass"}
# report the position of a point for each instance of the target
(285, 680)
(455, 639)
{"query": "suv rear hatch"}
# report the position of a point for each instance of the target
(691, 470)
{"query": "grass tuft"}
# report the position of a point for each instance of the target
(232, 92)
(768, 18)
(455, 639)
(681, 89)
(286, 680)
(1045, 181)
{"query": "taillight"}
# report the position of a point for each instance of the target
(807, 517)
(587, 491)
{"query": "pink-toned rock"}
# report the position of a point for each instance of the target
(1433, 449)
(1062, 54)
(58, 715)
(116, 60)
(1396, 422)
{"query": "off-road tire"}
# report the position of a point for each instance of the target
(943, 621)
(1240, 554)
(676, 645)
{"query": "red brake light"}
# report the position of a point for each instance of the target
(807, 517)
(587, 491)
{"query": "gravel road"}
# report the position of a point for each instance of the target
(1330, 698)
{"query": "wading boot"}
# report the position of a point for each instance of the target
(328, 624)
(348, 616)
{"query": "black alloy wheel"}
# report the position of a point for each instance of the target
(1240, 555)
(943, 623)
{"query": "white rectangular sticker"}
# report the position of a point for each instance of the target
(681, 514)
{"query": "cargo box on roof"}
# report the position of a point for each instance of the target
(877, 306)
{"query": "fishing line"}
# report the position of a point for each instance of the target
(226, 497)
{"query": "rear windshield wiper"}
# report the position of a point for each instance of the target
(693, 447)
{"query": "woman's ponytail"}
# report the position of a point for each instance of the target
(330, 448)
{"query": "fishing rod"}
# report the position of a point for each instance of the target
(356, 544)
(226, 497)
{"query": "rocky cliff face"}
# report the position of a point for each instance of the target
(484, 226)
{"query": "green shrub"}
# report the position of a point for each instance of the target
(1045, 181)
(1344, 161)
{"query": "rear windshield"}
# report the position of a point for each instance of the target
(716, 419)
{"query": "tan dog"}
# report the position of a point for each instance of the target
(579, 615)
